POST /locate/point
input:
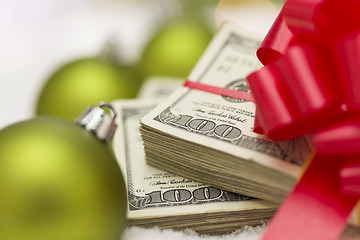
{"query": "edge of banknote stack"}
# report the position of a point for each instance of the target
(158, 198)
(209, 138)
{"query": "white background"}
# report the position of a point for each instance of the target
(37, 36)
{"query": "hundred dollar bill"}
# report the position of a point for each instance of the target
(159, 87)
(210, 138)
(160, 198)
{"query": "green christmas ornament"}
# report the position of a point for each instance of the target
(278, 3)
(85, 82)
(175, 48)
(60, 182)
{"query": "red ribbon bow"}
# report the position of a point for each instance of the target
(310, 84)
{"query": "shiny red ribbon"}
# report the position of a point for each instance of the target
(310, 84)
(219, 90)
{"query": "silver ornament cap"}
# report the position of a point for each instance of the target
(96, 120)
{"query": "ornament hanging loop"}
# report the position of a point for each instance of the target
(98, 121)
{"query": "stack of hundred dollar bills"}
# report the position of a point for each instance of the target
(209, 138)
(158, 198)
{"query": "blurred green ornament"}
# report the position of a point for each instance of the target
(175, 48)
(85, 82)
(278, 3)
(58, 182)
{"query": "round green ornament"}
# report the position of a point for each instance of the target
(84, 82)
(175, 48)
(58, 182)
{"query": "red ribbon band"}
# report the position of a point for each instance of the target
(220, 91)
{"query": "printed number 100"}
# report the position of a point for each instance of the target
(202, 125)
(182, 195)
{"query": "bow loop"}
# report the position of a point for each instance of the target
(323, 21)
(347, 58)
(276, 42)
(303, 18)
(350, 177)
(300, 91)
(312, 82)
(338, 18)
(340, 139)
(276, 112)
